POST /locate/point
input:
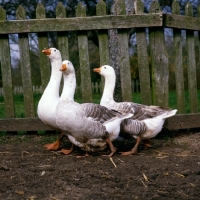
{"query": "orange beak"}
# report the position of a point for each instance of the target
(63, 68)
(47, 52)
(98, 70)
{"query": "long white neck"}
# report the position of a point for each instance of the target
(69, 87)
(52, 89)
(108, 88)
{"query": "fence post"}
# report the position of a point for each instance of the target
(143, 61)
(159, 62)
(6, 71)
(191, 64)
(84, 58)
(180, 93)
(25, 68)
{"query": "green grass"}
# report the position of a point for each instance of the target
(19, 102)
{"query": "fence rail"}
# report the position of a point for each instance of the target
(152, 57)
(96, 88)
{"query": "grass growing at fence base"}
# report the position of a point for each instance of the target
(19, 102)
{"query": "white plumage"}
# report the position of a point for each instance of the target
(146, 122)
(90, 126)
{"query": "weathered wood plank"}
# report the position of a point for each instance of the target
(183, 121)
(181, 22)
(103, 40)
(191, 65)
(84, 58)
(62, 36)
(180, 121)
(25, 68)
(23, 124)
(159, 63)
(124, 62)
(43, 43)
(6, 71)
(103, 36)
(80, 23)
(143, 59)
(180, 92)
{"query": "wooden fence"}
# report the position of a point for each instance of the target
(153, 83)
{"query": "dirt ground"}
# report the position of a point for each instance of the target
(170, 169)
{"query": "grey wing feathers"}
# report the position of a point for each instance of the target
(141, 111)
(98, 112)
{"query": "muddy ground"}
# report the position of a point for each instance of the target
(170, 169)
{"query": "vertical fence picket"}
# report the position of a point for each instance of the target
(6, 71)
(143, 62)
(103, 36)
(180, 92)
(159, 62)
(103, 39)
(124, 62)
(62, 36)
(43, 43)
(25, 68)
(191, 64)
(84, 58)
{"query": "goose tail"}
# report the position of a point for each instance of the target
(169, 113)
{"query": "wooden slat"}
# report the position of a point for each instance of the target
(180, 121)
(84, 59)
(191, 65)
(62, 36)
(159, 63)
(143, 59)
(80, 23)
(180, 93)
(25, 68)
(23, 124)
(43, 43)
(103, 36)
(6, 71)
(183, 121)
(103, 40)
(124, 62)
(181, 21)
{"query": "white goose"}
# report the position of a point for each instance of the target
(90, 126)
(146, 122)
(49, 100)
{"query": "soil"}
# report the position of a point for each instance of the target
(170, 169)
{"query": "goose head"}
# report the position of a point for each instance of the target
(105, 70)
(52, 53)
(67, 67)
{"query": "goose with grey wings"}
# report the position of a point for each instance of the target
(89, 126)
(146, 122)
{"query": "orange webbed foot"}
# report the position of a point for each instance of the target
(53, 146)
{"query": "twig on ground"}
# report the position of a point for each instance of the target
(120, 160)
(53, 197)
(182, 193)
(113, 162)
(181, 175)
(160, 152)
(144, 184)
(145, 177)
(44, 166)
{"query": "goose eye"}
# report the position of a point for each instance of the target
(54, 49)
(104, 67)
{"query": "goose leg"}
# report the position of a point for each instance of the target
(112, 148)
(55, 145)
(86, 155)
(67, 151)
(134, 150)
(147, 143)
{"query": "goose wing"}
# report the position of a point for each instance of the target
(100, 113)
